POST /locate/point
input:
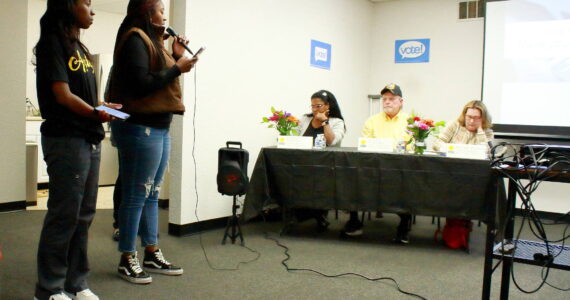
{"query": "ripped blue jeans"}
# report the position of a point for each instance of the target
(144, 153)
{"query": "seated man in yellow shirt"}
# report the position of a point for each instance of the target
(390, 123)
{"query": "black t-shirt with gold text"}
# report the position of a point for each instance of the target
(54, 64)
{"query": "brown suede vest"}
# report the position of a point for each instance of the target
(166, 99)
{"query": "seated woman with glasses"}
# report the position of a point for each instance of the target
(473, 127)
(326, 119)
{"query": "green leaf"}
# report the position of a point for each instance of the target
(270, 126)
(295, 132)
(272, 109)
(265, 119)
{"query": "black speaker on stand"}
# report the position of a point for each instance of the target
(232, 180)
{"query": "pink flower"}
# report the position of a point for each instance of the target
(423, 126)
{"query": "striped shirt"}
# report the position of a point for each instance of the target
(454, 133)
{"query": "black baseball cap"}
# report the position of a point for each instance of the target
(392, 88)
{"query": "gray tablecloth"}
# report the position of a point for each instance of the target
(344, 178)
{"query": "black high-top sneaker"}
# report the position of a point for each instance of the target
(130, 270)
(154, 262)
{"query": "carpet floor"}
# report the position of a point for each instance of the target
(423, 267)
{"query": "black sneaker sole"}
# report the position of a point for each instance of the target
(135, 280)
(176, 272)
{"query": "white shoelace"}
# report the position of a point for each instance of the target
(160, 257)
(134, 264)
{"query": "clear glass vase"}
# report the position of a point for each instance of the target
(419, 147)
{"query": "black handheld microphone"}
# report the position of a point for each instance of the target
(173, 33)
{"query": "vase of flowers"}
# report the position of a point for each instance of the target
(283, 121)
(420, 129)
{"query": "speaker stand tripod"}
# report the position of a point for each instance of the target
(233, 225)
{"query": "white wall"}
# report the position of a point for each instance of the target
(440, 88)
(258, 56)
(13, 24)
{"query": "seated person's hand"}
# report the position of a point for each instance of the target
(321, 116)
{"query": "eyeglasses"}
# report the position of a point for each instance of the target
(317, 106)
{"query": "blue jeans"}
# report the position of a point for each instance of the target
(144, 152)
(73, 169)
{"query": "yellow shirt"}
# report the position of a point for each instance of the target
(382, 126)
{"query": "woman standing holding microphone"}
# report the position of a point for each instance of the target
(145, 80)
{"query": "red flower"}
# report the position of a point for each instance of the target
(417, 119)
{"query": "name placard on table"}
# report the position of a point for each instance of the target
(295, 142)
(467, 151)
(375, 145)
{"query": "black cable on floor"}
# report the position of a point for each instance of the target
(196, 191)
(289, 269)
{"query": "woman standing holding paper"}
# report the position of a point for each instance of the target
(145, 80)
(71, 136)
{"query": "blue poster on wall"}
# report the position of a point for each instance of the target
(320, 55)
(412, 51)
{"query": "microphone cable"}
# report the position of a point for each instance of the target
(210, 265)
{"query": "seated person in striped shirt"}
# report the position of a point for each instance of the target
(473, 127)
(390, 123)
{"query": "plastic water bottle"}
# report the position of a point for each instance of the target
(320, 141)
(401, 146)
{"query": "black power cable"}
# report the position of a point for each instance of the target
(289, 269)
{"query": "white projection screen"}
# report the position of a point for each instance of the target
(526, 70)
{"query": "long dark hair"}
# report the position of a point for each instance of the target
(330, 99)
(59, 20)
(138, 15)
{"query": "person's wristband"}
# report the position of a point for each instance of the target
(325, 122)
